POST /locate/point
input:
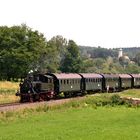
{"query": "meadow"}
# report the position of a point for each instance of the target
(87, 123)
(7, 91)
(97, 117)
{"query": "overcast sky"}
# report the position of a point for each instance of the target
(105, 23)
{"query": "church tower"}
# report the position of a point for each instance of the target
(120, 54)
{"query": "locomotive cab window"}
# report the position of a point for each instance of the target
(44, 79)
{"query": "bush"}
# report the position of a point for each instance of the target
(115, 99)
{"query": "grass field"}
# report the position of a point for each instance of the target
(135, 93)
(102, 123)
(7, 91)
(94, 118)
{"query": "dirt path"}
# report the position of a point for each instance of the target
(17, 107)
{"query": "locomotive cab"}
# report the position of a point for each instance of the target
(36, 87)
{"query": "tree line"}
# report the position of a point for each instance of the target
(23, 50)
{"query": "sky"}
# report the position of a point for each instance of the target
(105, 23)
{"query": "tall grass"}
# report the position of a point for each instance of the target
(7, 91)
(72, 122)
(89, 101)
(134, 93)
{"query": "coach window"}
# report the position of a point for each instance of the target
(77, 81)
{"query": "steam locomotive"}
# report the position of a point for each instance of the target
(42, 87)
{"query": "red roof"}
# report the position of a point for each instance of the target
(125, 76)
(67, 76)
(136, 75)
(91, 75)
(111, 75)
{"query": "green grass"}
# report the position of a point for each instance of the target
(134, 93)
(100, 117)
(102, 123)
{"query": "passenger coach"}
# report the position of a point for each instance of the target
(91, 82)
(111, 82)
(67, 83)
(125, 81)
(136, 80)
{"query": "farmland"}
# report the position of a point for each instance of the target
(7, 91)
(95, 117)
(75, 123)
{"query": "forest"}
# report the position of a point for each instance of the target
(24, 50)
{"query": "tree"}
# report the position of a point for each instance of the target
(132, 68)
(102, 53)
(72, 61)
(20, 49)
(56, 47)
(137, 58)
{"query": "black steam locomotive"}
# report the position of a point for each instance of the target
(41, 87)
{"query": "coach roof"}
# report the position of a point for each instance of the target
(91, 75)
(111, 75)
(125, 76)
(67, 76)
(136, 75)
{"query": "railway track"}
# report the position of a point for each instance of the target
(9, 104)
(18, 106)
